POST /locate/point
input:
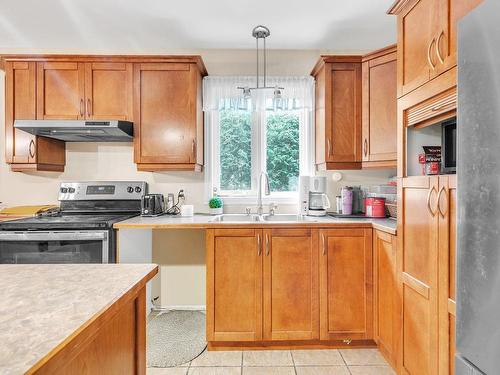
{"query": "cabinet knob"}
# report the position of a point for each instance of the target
(31, 149)
(429, 58)
(432, 212)
(438, 47)
(441, 212)
(81, 108)
(267, 245)
(258, 245)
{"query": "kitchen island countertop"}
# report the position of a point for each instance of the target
(44, 306)
(204, 221)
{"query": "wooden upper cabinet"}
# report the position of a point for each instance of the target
(291, 294)
(346, 296)
(108, 91)
(427, 34)
(450, 12)
(168, 116)
(26, 152)
(60, 91)
(418, 270)
(380, 109)
(386, 306)
(338, 112)
(234, 284)
(416, 24)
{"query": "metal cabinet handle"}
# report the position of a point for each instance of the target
(329, 146)
(365, 147)
(441, 212)
(31, 149)
(89, 108)
(193, 149)
(267, 245)
(81, 108)
(438, 48)
(323, 242)
(258, 245)
(433, 213)
(429, 59)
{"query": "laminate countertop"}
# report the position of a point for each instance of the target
(43, 306)
(205, 221)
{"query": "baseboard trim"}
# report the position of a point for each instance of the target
(180, 307)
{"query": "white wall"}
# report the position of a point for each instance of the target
(181, 254)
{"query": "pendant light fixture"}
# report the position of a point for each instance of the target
(262, 32)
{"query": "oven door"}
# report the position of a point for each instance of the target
(54, 247)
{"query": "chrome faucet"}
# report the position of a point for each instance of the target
(267, 191)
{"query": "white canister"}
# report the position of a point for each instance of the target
(187, 210)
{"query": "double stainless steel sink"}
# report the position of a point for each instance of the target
(254, 218)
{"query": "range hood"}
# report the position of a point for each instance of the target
(79, 130)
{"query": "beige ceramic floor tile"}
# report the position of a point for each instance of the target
(217, 359)
(325, 370)
(166, 371)
(268, 371)
(317, 357)
(267, 358)
(362, 357)
(215, 371)
(371, 370)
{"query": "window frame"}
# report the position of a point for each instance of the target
(259, 155)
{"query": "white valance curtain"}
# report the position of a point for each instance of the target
(221, 92)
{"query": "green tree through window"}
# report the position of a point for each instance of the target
(235, 150)
(283, 151)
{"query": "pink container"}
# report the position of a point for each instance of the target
(375, 207)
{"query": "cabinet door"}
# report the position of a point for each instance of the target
(447, 208)
(450, 12)
(108, 91)
(380, 110)
(20, 104)
(234, 285)
(165, 113)
(343, 119)
(291, 295)
(416, 44)
(345, 284)
(386, 322)
(60, 91)
(418, 267)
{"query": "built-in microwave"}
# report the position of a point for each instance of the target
(449, 146)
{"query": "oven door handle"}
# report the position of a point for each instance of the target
(52, 236)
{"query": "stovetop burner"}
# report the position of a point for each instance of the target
(87, 205)
(66, 221)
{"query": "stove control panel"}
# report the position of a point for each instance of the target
(102, 190)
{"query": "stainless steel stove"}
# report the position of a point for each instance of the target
(80, 232)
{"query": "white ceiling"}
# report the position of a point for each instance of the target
(156, 25)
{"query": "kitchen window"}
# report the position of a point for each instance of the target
(245, 137)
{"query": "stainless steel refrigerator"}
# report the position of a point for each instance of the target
(478, 192)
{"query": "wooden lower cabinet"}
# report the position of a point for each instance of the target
(234, 284)
(346, 284)
(291, 299)
(418, 270)
(447, 209)
(386, 301)
(280, 285)
(426, 263)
